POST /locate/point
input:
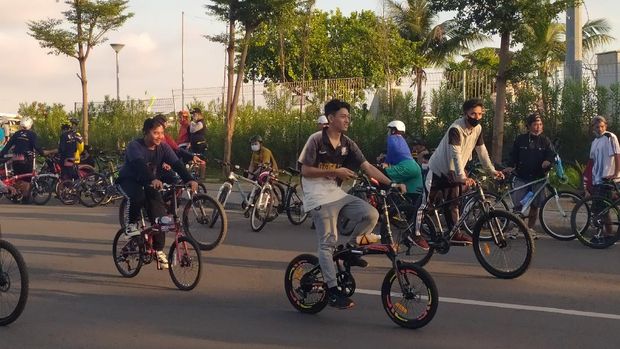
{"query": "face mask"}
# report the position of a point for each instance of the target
(473, 122)
(255, 147)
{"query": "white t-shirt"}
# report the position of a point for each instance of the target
(602, 153)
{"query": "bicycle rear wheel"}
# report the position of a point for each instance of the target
(127, 254)
(476, 210)
(414, 303)
(407, 249)
(185, 265)
(13, 283)
(92, 190)
(596, 222)
(66, 192)
(42, 189)
(509, 256)
(555, 215)
(205, 221)
(295, 207)
(304, 285)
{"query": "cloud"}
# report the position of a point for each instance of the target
(140, 42)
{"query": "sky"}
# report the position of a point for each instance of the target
(150, 62)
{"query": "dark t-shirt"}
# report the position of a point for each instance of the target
(23, 142)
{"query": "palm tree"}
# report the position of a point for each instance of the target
(435, 44)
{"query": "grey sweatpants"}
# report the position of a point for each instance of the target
(325, 218)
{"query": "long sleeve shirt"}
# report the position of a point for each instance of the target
(528, 153)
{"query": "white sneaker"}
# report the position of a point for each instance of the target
(132, 230)
(162, 259)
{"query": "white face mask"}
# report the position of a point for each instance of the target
(255, 147)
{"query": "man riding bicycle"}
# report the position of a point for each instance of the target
(327, 159)
(138, 181)
(447, 164)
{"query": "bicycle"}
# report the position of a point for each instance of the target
(595, 220)
(14, 284)
(408, 293)
(11, 179)
(496, 234)
(200, 216)
(184, 255)
(555, 210)
(292, 202)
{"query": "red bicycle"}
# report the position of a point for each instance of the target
(12, 180)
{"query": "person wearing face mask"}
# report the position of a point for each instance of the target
(530, 158)
(447, 164)
(261, 156)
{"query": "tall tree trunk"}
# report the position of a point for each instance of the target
(418, 102)
(500, 99)
(229, 92)
(281, 58)
(84, 82)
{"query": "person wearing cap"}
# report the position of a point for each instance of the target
(183, 137)
(322, 122)
(400, 167)
(530, 159)
(261, 156)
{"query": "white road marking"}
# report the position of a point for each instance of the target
(512, 306)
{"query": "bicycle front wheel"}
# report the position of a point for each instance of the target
(185, 265)
(304, 285)
(42, 189)
(13, 283)
(555, 215)
(205, 221)
(295, 207)
(262, 210)
(66, 192)
(92, 190)
(412, 301)
(127, 254)
(508, 252)
(596, 222)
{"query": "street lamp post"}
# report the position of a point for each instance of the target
(117, 48)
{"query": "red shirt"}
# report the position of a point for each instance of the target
(183, 136)
(168, 140)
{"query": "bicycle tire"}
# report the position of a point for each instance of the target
(295, 207)
(65, 193)
(261, 210)
(207, 212)
(299, 285)
(588, 227)
(42, 189)
(92, 190)
(486, 249)
(127, 255)
(496, 202)
(411, 252)
(223, 193)
(423, 287)
(549, 210)
(8, 282)
(188, 262)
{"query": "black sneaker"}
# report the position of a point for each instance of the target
(340, 302)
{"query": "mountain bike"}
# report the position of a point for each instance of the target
(408, 293)
(184, 258)
(595, 220)
(502, 243)
(292, 201)
(14, 283)
(203, 217)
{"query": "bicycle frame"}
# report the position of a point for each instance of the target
(234, 180)
(546, 184)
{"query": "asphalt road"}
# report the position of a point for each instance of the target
(569, 298)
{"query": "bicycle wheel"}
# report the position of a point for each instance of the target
(596, 222)
(295, 207)
(13, 283)
(42, 188)
(555, 215)
(222, 195)
(474, 204)
(406, 249)
(304, 285)
(509, 256)
(185, 266)
(413, 303)
(92, 190)
(66, 192)
(127, 254)
(261, 210)
(205, 221)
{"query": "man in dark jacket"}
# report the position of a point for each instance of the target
(532, 155)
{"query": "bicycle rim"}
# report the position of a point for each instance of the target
(205, 221)
(596, 222)
(13, 283)
(510, 256)
(555, 215)
(305, 291)
(185, 266)
(295, 208)
(127, 254)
